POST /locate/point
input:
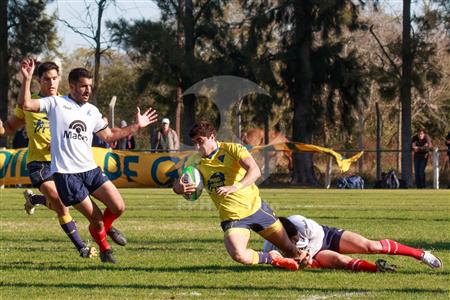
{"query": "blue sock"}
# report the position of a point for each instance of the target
(38, 200)
(70, 228)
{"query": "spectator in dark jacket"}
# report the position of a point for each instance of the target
(421, 146)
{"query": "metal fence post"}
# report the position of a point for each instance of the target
(328, 173)
(436, 168)
(112, 104)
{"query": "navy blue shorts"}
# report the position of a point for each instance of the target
(331, 238)
(39, 172)
(263, 218)
(74, 188)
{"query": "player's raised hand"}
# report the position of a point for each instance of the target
(27, 68)
(148, 117)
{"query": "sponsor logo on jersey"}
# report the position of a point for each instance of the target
(67, 107)
(216, 181)
(77, 131)
(41, 125)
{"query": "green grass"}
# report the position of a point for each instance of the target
(176, 250)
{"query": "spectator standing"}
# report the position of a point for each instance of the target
(165, 138)
(126, 143)
(421, 145)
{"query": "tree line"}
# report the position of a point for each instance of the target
(324, 63)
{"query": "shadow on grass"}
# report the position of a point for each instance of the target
(242, 288)
(32, 266)
(408, 218)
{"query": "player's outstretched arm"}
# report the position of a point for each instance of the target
(24, 101)
(111, 135)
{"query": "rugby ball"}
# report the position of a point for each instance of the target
(192, 175)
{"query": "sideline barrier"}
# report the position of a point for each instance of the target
(145, 169)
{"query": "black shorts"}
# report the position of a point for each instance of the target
(332, 238)
(39, 172)
(74, 188)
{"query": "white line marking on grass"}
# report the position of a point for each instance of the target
(334, 295)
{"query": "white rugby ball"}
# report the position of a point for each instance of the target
(192, 175)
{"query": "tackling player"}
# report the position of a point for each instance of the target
(73, 121)
(38, 159)
(327, 246)
(229, 173)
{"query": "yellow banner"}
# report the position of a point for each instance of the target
(144, 169)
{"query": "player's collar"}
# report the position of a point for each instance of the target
(80, 103)
(214, 152)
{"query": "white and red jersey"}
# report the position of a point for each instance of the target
(311, 235)
(72, 126)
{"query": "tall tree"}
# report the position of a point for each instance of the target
(407, 70)
(25, 29)
(405, 93)
(4, 78)
(176, 52)
(91, 31)
(321, 77)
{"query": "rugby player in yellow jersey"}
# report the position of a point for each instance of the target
(229, 173)
(38, 159)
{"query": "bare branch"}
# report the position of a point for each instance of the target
(202, 9)
(385, 52)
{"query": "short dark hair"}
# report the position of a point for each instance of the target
(45, 67)
(290, 228)
(203, 128)
(78, 73)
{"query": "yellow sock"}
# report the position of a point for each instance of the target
(65, 219)
(255, 259)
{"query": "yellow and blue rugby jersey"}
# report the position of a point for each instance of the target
(222, 168)
(38, 131)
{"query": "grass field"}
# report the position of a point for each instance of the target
(175, 249)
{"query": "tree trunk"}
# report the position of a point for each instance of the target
(98, 48)
(179, 95)
(302, 93)
(4, 57)
(405, 94)
(189, 100)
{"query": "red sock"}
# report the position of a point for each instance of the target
(395, 248)
(100, 238)
(108, 219)
(359, 265)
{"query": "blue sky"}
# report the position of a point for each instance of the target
(74, 11)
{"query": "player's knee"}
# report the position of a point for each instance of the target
(374, 247)
(240, 257)
(118, 210)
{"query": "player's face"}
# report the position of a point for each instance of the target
(49, 82)
(421, 135)
(205, 145)
(81, 90)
